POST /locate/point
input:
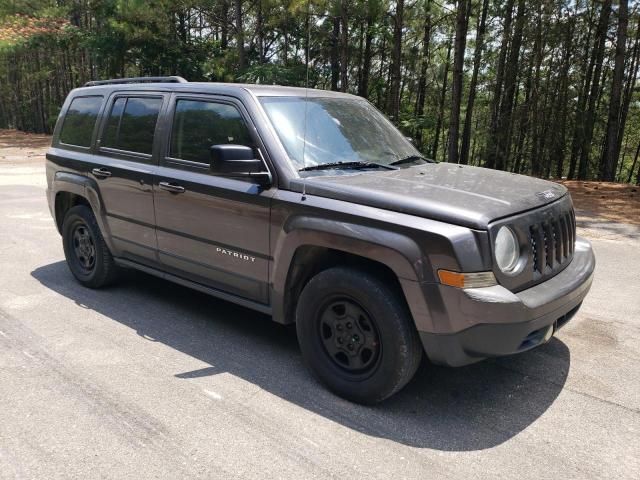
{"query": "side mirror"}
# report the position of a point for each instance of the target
(238, 161)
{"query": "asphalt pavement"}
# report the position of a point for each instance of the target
(151, 380)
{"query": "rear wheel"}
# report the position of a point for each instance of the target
(85, 250)
(357, 335)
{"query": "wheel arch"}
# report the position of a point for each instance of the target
(69, 190)
(64, 201)
(305, 250)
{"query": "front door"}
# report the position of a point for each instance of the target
(124, 169)
(211, 229)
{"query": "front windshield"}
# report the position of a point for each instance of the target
(337, 130)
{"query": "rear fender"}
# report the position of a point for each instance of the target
(86, 188)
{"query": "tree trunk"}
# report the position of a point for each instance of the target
(363, 86)
(360, 54)
(506, 106)
(224, 24)
(242, 60)
(525, 120)
(601, 36)
(633, 166)
(285, 34)
(383, 58)
(611, 152)
(538, 124)
(422, 80)
(344, 45)
(462, 25)
(623, 153)
(477, 57)
(260, 32)
(335, 64)
(588, 64)
(393, 106)
(559, 141)
(630, 86)
(443, 96)
(497, 91)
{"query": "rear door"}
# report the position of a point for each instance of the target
(211, 229)
(125, 167)
(127, 158)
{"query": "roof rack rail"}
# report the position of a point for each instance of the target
(115, 81)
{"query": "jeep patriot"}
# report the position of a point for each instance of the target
(310, 206)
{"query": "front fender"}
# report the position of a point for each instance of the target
(398, 252)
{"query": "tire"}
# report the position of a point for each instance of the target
(345, 306)
(85, 250)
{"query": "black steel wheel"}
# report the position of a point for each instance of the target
(349, 335)
(84, 247)
(356, 334)
(87, 254)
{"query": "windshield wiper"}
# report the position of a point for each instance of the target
(410, 159)
(337, 165)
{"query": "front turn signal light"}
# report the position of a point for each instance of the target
(467, 280)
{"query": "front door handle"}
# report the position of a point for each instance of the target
(101, 172)
(171, 187)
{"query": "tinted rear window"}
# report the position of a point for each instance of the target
(132, 123)
(80, 120)
(113, 123)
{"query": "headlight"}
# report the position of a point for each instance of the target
(506, 250)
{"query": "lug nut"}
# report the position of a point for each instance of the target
(340, 340)
(349, 325)
(339, 327)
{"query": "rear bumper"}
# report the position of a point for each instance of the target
(473, 324)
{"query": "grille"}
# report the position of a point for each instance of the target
(552, 242)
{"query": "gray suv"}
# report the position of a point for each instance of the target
(310, 206)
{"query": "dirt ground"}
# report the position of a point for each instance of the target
(15, 145)
(608, 202)
(614, 202)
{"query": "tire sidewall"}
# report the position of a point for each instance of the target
(81, 215)
(385, 310)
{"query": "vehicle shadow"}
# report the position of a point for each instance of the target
(470, 408)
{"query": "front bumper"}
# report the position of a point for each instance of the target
(472, 324)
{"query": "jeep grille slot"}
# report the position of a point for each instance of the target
(552, 243)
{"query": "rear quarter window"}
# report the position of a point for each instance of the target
(132, 123)
(80, 120)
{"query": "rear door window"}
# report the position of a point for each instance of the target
(132, 124)
(80, 120)
(199, 124)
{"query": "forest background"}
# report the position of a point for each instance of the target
(542, 87)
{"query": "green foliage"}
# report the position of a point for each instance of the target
(47, 48)
(273, 74)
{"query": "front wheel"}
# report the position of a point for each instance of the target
(356, 334)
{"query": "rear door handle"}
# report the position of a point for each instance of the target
(171, 187)
(101, 172)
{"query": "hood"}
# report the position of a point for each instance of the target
(458, 194)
